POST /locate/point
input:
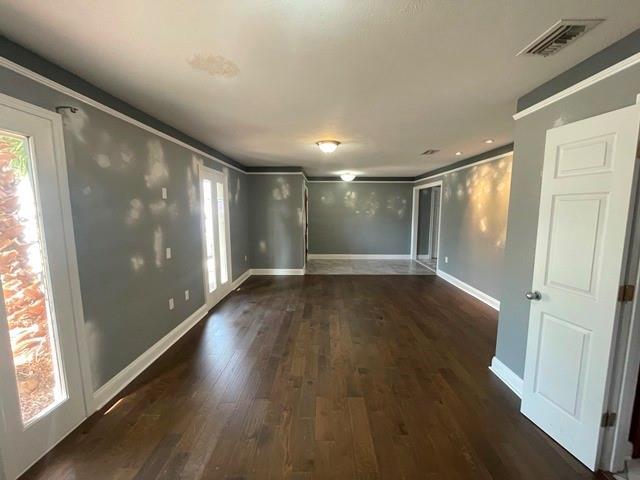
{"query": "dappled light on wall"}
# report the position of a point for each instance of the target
(483, 192)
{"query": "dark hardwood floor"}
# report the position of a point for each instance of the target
(320, 377)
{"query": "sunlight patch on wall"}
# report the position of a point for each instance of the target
(136, 209)
(282, 191)
(102, 160)
(483, 191)
(157, 170)
(350, 199)
(137, 262)
(75, 122)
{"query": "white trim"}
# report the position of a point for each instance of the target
(275, 173)
(415, 211)
(123, 378)
(241, 279)
(473, 291)
(305, 223)
(356, 256)
(588, 82)
(474, 164)
(362, 181)
(4, 62)
(277, 271)
(508, 377)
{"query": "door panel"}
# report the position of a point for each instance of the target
(582, 229)
(41, 395)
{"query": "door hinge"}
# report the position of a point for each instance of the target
(626, 293)
(608, 419)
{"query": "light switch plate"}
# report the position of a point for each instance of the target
(168, 253)
(171, 304)
(164, 193)
(186, 294)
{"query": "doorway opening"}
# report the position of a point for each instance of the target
(216, 237)
(425, 228)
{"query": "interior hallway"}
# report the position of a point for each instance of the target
(321, 377)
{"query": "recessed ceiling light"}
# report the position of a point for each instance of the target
(489, 140)
(328, 146)
(458, 154)
(347, 177)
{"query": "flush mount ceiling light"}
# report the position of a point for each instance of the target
(328, 146)
(347, 177)
(458, 154)
(489, 140)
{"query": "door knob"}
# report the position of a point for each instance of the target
(535, 295)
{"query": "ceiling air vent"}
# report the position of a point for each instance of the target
(561, 34)
(431, 151)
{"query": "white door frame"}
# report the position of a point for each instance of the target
(415, 215)
(626, 353)
(227, 287)
(55, 121)
(305, 223)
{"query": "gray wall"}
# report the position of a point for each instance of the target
(276, 221)
(116, 171)
(474, 224)
(613, 93)
(239, 225)
(424, 220)
(359, 218)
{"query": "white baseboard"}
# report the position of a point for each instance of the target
(241, 279)
(135, 368)
(473, 291)
(355, 256)
(508, 377)
(277, 271)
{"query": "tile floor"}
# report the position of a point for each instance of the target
(367, 267)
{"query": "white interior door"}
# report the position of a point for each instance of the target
(584, 212)
(41, 397)
(215, 218)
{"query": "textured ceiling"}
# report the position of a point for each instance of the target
(262, 81)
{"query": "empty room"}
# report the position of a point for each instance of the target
(319, 239)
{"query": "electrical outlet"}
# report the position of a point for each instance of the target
(186, 295)
(168, 253)
(171, 304)
(446, 259)
(164, 193)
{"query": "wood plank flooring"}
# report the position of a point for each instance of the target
(321, 377)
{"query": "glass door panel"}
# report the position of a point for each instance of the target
(209, 235)
(222, 232)
(23, 275)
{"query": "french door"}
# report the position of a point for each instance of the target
(215, 220)
(587, 181)
(41, 396)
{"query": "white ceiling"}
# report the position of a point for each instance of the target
(263, 80)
